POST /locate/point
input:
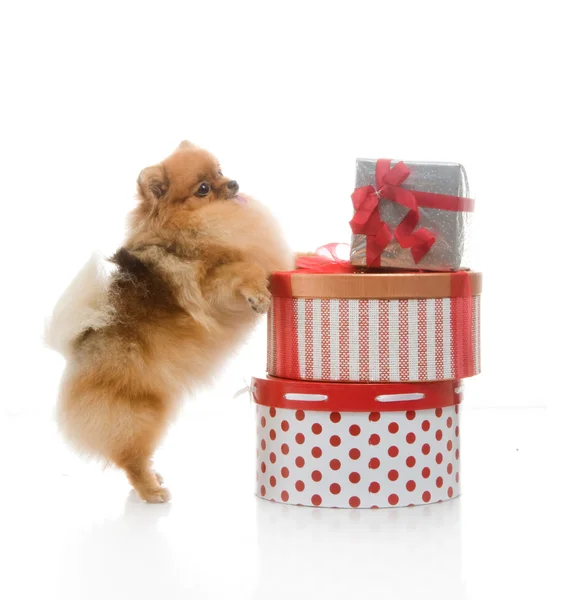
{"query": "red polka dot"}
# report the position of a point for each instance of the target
(316, 476)
(457, 477)
(450, 492)
(374, 487)
(393, 475)
(299, 438)
(450, 468)
(273, 481)
(354, 430)
(374, 417)
(354, 454)
(426, 472)
(316, 452)
(285, 449)
(263, 467)
(439, 482)
(317, 428)
(354, 502)
(262, 491)
(263, 444)
(439, 458)
(285, 425)
(411, 414)
(335, 464)
(300, 462)
(439, 434)
(457, 454)
(393, 451)
(457, 431)
(449, 445)
(411, 485)
(263, 421)
(272, 434)
(299, 415)
(425, 425)
(354, 477)
(334, 440)
(374, 463)
(426, 449)
(411, 438)
(427, 496)
(285, 472)
(374, 439)
(393, 499)
(334, 488)
(272, 457)
(439, 412)
(411, 461)
(449, 422)
(393, 427)
(272, 412)
(299, 485)
(284, 496)
(335, 417)
(456, 409)
(316, 500)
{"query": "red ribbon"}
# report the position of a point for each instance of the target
(325, 260)
(367, 220)
(462, 322)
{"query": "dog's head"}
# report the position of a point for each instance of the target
(188, 179)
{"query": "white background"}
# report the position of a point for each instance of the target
(287, 95)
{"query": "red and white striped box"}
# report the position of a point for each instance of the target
(374, 327)
(345, 445)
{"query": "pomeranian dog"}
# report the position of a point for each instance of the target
(186, 287)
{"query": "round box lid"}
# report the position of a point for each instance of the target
(355, 397)
(381, 285)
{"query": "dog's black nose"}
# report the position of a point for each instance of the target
(233, 185)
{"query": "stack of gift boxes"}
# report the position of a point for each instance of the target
(366, 357)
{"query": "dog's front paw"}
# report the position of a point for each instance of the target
(259, 299)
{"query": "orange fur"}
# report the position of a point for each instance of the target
(188, 285)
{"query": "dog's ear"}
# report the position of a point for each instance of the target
(185, 145)
(153, 183)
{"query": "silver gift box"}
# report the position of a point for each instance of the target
(451, 228)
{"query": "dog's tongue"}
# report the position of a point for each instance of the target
(238, 199)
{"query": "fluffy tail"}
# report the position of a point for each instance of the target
(82, 306)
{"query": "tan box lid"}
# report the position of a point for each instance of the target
(381, 285)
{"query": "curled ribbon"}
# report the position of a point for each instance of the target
(367, 219)
(325, 260)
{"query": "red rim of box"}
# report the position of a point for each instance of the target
(355, 397)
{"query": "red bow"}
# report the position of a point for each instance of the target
(367, 220)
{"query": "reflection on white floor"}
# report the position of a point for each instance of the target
(71, 531)
(327, 553)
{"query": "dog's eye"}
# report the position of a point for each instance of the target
(220, 173)
(203, 190)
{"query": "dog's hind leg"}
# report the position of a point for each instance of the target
(145, 481)
(120, 428)
(134, 453)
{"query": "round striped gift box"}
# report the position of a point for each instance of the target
(374, 327)
(346, 445)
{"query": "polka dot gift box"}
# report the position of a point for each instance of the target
(357, 445)
(374, 327)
